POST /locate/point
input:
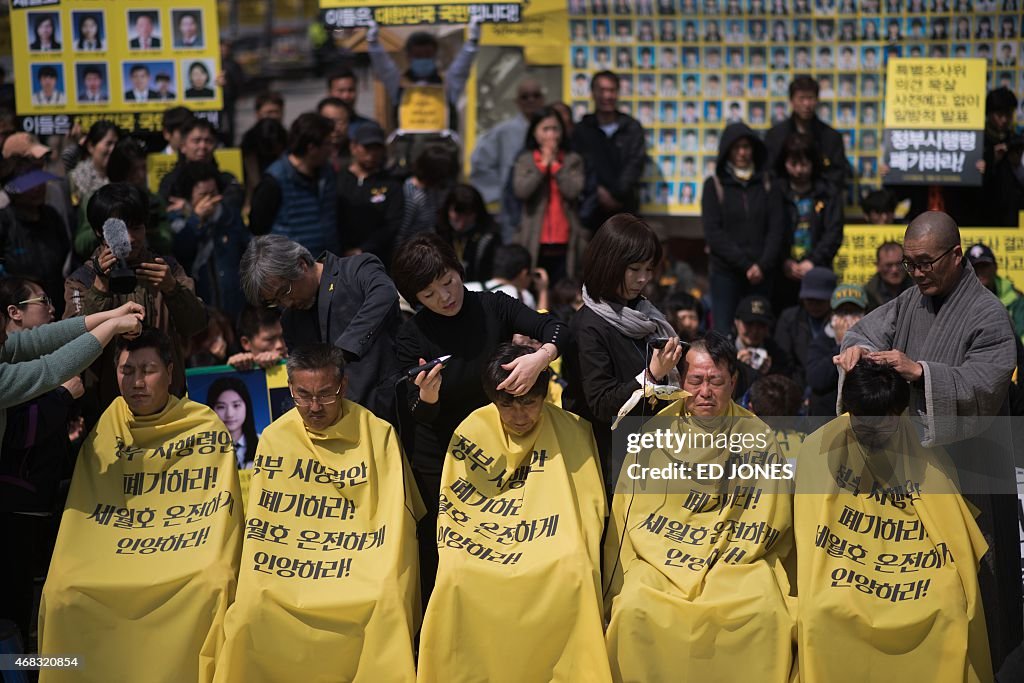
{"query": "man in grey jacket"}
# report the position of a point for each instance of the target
(349, 302)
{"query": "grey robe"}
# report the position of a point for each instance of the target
(967, 352)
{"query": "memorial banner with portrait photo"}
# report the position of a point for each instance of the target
(147, 556)
(133, 56)
(934, 121)
(689, 67)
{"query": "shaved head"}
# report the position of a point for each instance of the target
(933, 239)
(934, 226)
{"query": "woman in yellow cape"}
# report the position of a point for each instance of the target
(329, 587)
(522, 507)
(888, 549)
(147, 554)
(696, 588)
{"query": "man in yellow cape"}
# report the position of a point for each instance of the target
(518, 591)
(696, 588)
(147, 554)
(329, 586)
(888, 549)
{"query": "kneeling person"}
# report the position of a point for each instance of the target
(146, 558)
(697, 590)
(519, 527)
(330, 574)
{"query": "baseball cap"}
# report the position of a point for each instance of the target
(755, 309)
(849, 294)
(24, 145)
(368, 133)
(979, 253)
(818, 283)
(28, 181)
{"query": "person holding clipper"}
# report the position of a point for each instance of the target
(618, 348)
(469, 326)
(161, 287)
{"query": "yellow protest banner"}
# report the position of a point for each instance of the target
(147, 555)
(855, 261)
(935, 94)
(888, 570)
(519, 523)
(132, 56)
(346, 14)
(330, 571)
(159, 165)
(423, 109)
(934, 121)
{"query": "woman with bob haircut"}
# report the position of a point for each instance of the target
(618, 332)
(468, 326)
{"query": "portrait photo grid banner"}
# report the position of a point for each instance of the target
(132, 56)
(690, 67)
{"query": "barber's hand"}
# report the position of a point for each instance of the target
(75, 387)
(129, 308)
(372, 32)
(663, 360)
(523, 372)
(429, 383)
(908, 369)
(475, 23)
(848, 358)
(128, 325)
(157, 275)
(754, 274)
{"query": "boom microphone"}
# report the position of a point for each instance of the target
(121, 278)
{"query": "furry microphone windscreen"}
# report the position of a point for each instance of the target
(115, 234)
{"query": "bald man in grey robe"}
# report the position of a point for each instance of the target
(953, 341)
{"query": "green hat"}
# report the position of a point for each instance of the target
(847, 293)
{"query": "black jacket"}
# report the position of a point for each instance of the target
(826, 223)
(600, 370)
(829, 142)
(618, 161)
(369, 213)
(822, 375)
(486, 320)
(747, 226)
(36, 249)
(794, 335)
(356, 310)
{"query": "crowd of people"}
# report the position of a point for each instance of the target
(556, 315)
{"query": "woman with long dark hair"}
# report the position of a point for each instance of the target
(619, 335)
(466, 225)
(230, 399)
(548, 178)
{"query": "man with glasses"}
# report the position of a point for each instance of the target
(952, 340)
(496, 150)
(330, 570)
(349, 303)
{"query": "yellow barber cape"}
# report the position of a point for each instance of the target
(696, 587)
(888, 565)
(517, 596)
(329, 584)
(146, 558)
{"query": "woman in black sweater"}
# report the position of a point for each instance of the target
(469, 326)
(612, 333)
